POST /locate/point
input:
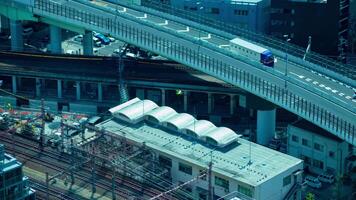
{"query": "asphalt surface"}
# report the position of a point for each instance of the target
(339, 91)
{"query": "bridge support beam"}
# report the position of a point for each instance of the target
(5, 24)
(163, 97)
(210, 102)
(16, 35)
(232, 103)
(14, 84)
(59, 89)
(88, 43)
(100, 92)
(38, 87)
(56, 39)
(266, 125)
(77, 86)
(185, 102)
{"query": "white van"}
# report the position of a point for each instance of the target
(327, 178)
(27, 31)
(313, 182)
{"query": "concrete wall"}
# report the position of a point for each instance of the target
(274, 189)
(297, 149)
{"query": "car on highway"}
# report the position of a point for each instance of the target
(354, 96)
(102, 38)
(98, 44)
(313, 182)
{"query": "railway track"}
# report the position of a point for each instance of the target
(58, 162)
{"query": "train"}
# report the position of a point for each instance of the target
(252, 51)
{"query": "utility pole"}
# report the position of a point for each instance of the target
(43, 124)
(93, 173)
(47, 186)
(210, 188)
(113, 179)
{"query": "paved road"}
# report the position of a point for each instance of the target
(339, 91)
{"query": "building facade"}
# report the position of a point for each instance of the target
(321, 151)
(248, 14)
(13, 184)
(185, 146)
(326, 21)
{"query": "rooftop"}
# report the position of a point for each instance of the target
(242, 160)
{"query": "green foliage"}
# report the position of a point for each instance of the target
(310, 196)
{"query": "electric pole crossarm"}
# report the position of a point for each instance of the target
(179, 186)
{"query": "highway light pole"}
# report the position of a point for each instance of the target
(286, 68)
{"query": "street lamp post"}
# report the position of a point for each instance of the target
(286, 67)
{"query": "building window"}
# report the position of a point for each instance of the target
(319, 164)
(306, 159)
(318, 147)
(202, 172)
(287, 180)
(194, 8)
(215, 11)
(185, 168)
(222, 182)
(331, 154)
(165, 161)
(241, 12)
(305, 142)
(245, 190)
(295, 138)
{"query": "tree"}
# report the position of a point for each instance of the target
(310, 196)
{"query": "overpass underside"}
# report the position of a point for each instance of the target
(251, 76)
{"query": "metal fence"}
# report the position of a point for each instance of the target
(276, 93)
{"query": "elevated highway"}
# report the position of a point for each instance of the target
(318, 94)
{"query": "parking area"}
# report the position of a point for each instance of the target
(338, 190)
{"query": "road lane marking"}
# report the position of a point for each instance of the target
(300, 76)
(143, 17)
(205, 38)
(186, 30)
(163, 24)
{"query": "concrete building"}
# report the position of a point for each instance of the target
(320, 150)
(248, 14)
(13, 185)
(185, 146)
(326, 21)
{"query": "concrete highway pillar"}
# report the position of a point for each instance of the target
(38, 87)
(77, 86)
(232, 103)
(5, 24)
(163, 97)
(14, 85)
(100, 92)
(266, 125)
(88, 43)
(185, 103)
(16, 35)
(210, 102)
(56, 39)
(59, 89)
